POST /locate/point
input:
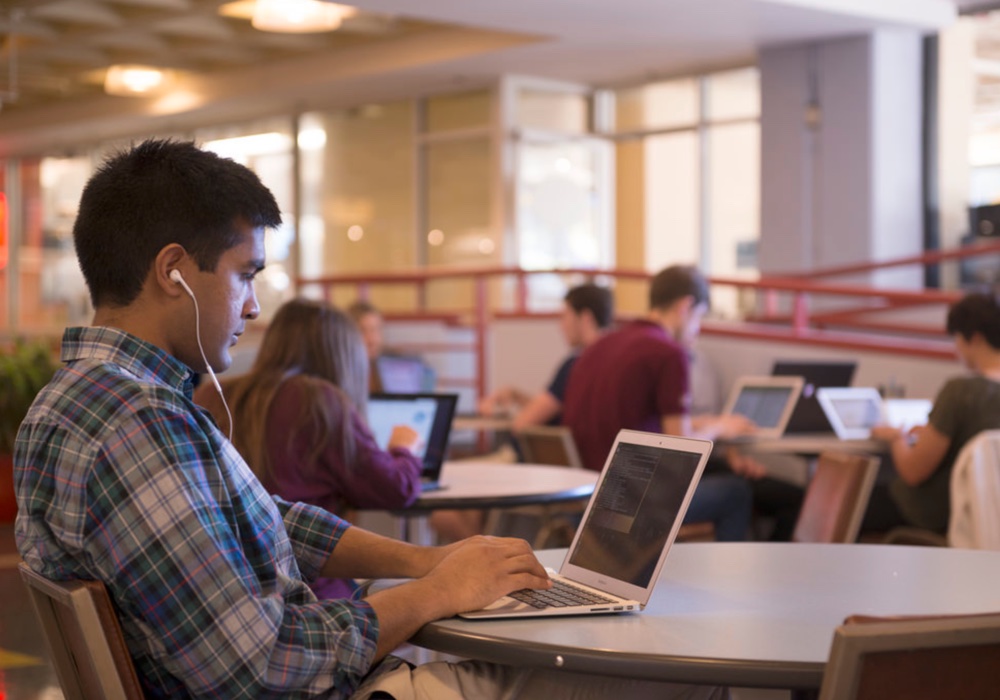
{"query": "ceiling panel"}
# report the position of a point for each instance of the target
(57, 44)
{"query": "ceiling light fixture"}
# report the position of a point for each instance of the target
(299, 16)
(131, 80)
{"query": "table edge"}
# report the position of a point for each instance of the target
(467, 642)
(511, 501)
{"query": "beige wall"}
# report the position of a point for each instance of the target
(630, 223)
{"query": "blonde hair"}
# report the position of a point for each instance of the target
(318, 345)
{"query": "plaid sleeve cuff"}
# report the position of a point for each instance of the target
(314, 533)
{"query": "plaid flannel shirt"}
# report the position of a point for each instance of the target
(121, 478)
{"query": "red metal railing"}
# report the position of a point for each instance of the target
(767, 322)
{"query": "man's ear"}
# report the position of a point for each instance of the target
(170, 258)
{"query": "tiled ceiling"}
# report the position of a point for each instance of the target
(54, 54)
(58, 49)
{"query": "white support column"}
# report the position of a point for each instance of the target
(841, 154)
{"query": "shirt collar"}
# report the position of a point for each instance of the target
(144, 360)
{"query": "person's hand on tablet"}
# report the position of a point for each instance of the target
(404, 436)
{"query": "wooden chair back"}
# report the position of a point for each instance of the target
(84, 638)
(917, 658)
(549, 444)
(836, 498)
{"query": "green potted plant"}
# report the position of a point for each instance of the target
(25, 367)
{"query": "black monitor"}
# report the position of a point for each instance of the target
(984, 221)
(808, 415)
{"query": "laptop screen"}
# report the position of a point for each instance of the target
(764, 405)
(857, 412)
(808, 416)
(430, 415)
(633, 512)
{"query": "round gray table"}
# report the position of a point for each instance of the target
(481, 484)
(740, 614)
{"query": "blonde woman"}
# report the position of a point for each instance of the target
(299, 420)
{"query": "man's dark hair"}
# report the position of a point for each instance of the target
(157, 193)
(595, 299)
(675, 283)
(976, 313)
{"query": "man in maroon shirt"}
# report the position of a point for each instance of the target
(637, 377)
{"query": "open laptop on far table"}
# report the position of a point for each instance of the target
(430, 415)
(854, 411)
(630, 523)
(767, 401)
(808, 416)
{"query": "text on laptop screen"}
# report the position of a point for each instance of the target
(764, 405)
(857, 412)
(634, 512)
(417, 413)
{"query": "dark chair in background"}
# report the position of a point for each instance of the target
(836, 498)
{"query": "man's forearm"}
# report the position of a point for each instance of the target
(363, 554)
(402, 610)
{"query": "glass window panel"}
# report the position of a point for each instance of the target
(733, 94)
(553, 111)
(673, 217)
(51, 290)
(665, 105)
(459, 110)
(734, 210)
(560, 217)
(359, 201)
(458, 217)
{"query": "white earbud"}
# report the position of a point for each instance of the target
(177, 277)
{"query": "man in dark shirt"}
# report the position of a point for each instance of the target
(637, 378)
(923, 459)
(588, 311)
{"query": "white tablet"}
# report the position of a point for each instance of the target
(852, 411)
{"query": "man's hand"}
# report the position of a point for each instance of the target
(744, 465)
(469, 575)
(505, 401)
(475, 572)
(734, 425)
(886, 433)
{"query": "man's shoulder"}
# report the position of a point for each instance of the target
(91, 397)
(636, 337)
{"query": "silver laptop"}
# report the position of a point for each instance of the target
(854, 411)
(633, 517)
(767, 401)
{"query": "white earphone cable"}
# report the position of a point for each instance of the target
(201, 349)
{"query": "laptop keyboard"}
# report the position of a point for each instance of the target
(561, 595)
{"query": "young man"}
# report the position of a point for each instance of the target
(370, 322)
(121, 478)
(637, 377)
(588, 311)
(923, 459)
